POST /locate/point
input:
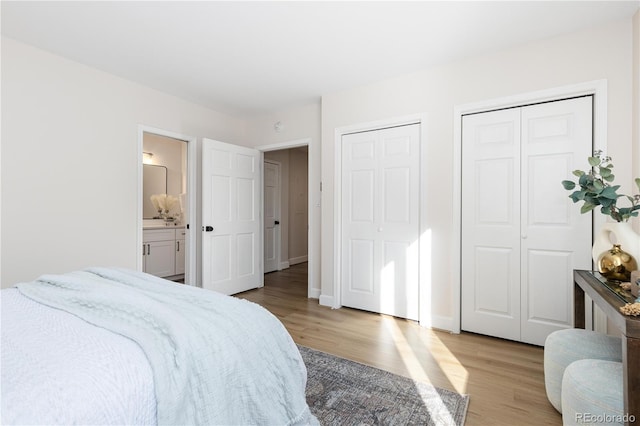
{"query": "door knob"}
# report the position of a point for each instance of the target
(276, 222)
(207, 228)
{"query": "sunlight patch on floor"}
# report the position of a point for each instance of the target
(451, 368)
(456, 373)
(412, 363)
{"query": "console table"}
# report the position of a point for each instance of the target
(585, 282)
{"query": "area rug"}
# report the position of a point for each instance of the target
(343, 392)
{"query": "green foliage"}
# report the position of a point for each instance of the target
(595, 190)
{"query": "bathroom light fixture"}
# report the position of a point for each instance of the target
(147, 157)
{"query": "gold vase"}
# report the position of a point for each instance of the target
(616, 264)
(616, 233)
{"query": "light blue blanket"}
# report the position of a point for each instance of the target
(215, 359)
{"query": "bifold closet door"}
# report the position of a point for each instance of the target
(379, 220)
(521, 236)
(491, 223)
(557, 138)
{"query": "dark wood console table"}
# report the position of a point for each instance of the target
(586, 283)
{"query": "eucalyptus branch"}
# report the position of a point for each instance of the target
(596, 189)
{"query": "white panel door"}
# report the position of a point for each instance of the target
(555, 237)
(231, 242)
(271, 216)
(380, 227)
(521, 236)
(491, 223)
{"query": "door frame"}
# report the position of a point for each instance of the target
(597, 88)
(190, 275)
(313, 254)
(424, 244)
(278, 237)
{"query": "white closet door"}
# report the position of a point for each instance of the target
(491, 223)
(380, 194)
(521, 235)
(555, 237)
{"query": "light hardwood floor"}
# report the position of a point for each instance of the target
(504, 379)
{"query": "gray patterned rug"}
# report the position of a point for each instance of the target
(343, 392)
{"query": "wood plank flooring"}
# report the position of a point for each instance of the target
(504, 379)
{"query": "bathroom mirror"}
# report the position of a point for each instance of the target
(154, 181)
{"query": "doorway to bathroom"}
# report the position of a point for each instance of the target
(166, 206)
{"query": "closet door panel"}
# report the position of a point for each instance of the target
(361, 257)
(359, 215)
(556, 238)
(545, 173)
(490, 223)
(548, 296)
(493, 275)
(494, 190)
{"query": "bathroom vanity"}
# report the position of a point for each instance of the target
(163, 250)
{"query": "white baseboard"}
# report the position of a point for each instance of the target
(437, 322)
(314, 293)
(326, 300)
(442, 323)
(299, 259)
(283, 265)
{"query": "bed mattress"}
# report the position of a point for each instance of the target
(59, 369)
(112, 346)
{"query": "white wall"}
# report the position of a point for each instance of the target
(599, 53)
(298, 205)
(69, 160)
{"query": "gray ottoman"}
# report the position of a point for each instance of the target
(592, 393)
(566, 346)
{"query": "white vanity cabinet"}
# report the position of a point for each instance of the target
(163, 252)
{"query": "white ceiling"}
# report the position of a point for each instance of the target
(252, 57)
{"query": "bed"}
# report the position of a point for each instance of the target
(113, 346)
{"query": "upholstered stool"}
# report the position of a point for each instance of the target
(566, 346)
(592, 393)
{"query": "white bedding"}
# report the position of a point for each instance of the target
(59, 369)
(157, 352)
